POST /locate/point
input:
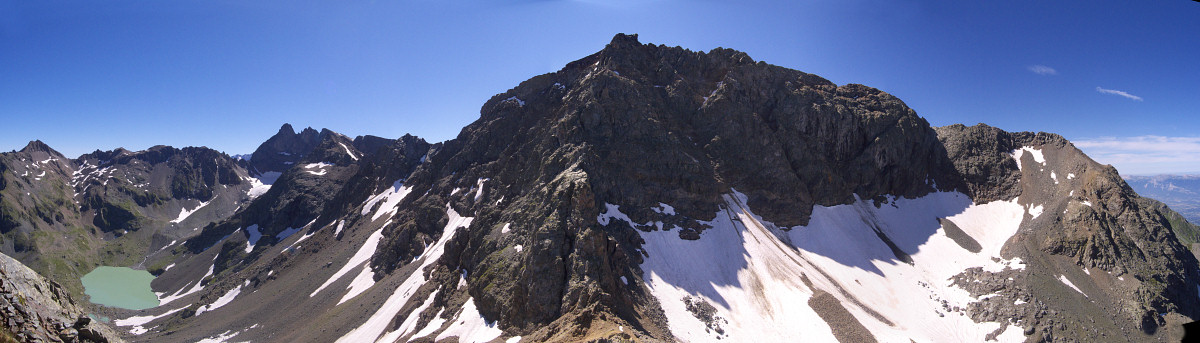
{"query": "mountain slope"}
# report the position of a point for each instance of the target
(1181, 192)
(63, 217)
(650, 193)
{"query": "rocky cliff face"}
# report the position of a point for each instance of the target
(283, 150)
(33, 309)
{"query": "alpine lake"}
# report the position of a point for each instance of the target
(121, 287)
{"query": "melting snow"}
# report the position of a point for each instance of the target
(1036, 211)
(379, 321)
(1064, 280)
(288, 232)
(348, 151)
(260, 185)
(142, 320)
(390, 198)
(341, 223)
(479, 188)
(223, 300)
(470, 326)
(519, 101)
(196, 288)
(1036, 153)
(664, 209)
(753, 273)
(410, 322)
(255, 235)
(320, 167)
(364, 253)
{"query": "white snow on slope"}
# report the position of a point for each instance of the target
(184, 213)
(362, 255)
(370, 330)
(225, 299)
(196, 288)
(1064, 280)
(390, 198)
(1036, 153)
(1036, 211)
(320, 167)
(479, 188)
(142, 320)
(410, 322)
(261, 184)
(255, 235)
(470, 326)
(752, 272)
(348, 151)
(1053, 176)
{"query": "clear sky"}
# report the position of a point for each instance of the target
(1119, 78)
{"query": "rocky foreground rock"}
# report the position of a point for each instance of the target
(33, 309)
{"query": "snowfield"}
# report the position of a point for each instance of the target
(761, 278)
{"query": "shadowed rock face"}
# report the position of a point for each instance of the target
(284, 149)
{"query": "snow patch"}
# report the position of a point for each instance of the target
(505, 228)
(320, 167)
(363, 254)
(624, 280)
(255, 235)
(348, 151)
(390, 198)
(288, 232)
(518, 248)
(470, 326)
(479, 188)
(142, 320)
(517, 100)
(1036, 211)
(360, 284)
(612, 212)
(225, 299)
(1064, 280)
(1034, 152)
(261, 184)
(664, 209)
(1055, 177)
(1018, 302)
(341, 224)
(184, 213)
(1070, 176)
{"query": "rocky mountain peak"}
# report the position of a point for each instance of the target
(38, 145)
(285, 148)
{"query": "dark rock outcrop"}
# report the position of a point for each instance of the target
(37, 310)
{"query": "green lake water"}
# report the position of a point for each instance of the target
(121, 287)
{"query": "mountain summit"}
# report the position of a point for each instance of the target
(652, 193)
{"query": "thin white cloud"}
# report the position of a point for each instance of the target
(1143, 155)
(1117, 92)
(1042, 70)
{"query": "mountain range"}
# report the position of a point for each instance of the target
(642, 193)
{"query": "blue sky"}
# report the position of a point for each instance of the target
(1119, 78)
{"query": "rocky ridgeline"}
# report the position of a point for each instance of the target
(34, 309)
